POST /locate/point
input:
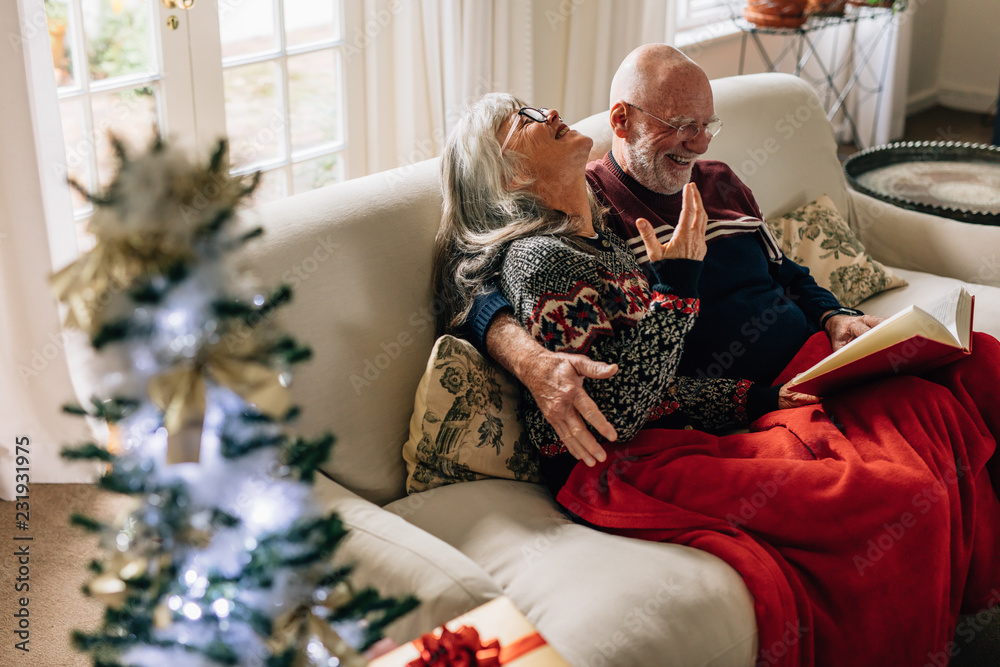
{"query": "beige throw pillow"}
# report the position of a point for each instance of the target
(465, 424)
(817, 237)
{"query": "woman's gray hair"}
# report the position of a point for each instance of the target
(487, 206)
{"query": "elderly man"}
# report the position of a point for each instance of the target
(663, 119)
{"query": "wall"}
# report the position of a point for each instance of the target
(968, 69)
(928, 17)
(34, 378)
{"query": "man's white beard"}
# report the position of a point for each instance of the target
(655, 171)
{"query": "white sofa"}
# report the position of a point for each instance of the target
(359, 257)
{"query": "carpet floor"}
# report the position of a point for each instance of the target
(58, 554)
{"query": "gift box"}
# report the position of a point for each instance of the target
(495, 634)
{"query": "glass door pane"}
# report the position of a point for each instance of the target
(132, 115)
(247, 27)
(117, 38)
(314, 97)
(254, 112)
(284, 92)
(308, 21)
(119, 68)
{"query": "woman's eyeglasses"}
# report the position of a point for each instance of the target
(688, 131)
(540, 115)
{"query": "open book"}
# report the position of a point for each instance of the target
(913, 340)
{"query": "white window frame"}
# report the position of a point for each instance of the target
(209, 89)
(171, 69)
(693, 14)
(181, 123)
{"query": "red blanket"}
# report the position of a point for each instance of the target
(862, 526)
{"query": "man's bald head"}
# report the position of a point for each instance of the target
(657, 90)
(650, 71)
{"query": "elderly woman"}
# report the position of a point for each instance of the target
(862, 526)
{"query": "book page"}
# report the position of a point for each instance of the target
(954, 313)
(963, 315)
(944, 310)
(887, 333)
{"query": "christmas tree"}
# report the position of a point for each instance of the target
(223, 557)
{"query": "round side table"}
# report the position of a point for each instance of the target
(955, 180)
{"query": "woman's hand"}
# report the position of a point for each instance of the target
(688, 240)
(788, 398)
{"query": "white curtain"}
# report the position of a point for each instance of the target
(34, 375)
(601, 34)
(430, 59)
(882, 50)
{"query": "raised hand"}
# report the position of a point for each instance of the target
(688, 240)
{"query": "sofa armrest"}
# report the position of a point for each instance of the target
(921, 242)
(397, 558)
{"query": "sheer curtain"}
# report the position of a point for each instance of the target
(600, 35)
(35, 374)
(430, 59)
(883, 45)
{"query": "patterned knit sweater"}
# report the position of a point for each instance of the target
(601, 305)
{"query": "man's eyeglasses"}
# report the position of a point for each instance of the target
(687, 131)
(540, 115)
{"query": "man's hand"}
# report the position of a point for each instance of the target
(788, 398)
(555, 380)
(688, 240)
(842, 329)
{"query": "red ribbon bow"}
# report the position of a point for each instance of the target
(456, 649)
(464, 649)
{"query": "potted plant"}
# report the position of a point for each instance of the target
(826, 7)
(776, 13)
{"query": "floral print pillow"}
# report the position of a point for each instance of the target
(817, 237)
(464, 425)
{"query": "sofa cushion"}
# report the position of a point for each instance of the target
(465, 425)
(817, 237)
(399, 559)
(599, 599)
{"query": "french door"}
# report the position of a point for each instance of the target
(268, 74)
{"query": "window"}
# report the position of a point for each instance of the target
(284, 92)
(109, 77)
(696, 13)
(269, 74)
